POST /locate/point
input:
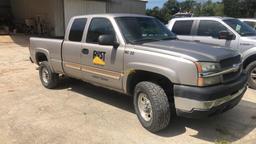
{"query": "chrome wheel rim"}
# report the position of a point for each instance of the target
(253, 75)
(45, 75)
(145, 107)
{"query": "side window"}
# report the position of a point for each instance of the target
(252, 24)
(210, 28)
(77, 30)
(182, 27)
(99, 26)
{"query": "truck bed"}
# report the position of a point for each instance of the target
(49, 47)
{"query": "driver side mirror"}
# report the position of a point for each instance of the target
(226, 35)
(108, 39)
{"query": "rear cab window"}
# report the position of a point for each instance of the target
(182, 27)
(210, 28)
(77, 30)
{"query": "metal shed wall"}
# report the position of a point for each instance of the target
(57, 13)
(127, 6)
(82, 7)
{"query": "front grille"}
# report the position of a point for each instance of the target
(229, 77)
(228, 63)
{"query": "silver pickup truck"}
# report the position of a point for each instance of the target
(221, 31)
(138, 56)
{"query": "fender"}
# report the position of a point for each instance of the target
(46, 53)
(168, 73)
(250, 52)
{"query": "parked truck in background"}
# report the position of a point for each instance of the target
(138, 56)
(221, 31)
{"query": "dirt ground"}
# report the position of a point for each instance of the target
(77, 112)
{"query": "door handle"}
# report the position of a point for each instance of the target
(85, 51)
(197, 40)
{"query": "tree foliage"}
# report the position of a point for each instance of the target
(231, 8)
(240, 8)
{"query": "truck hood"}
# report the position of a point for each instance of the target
(192, 50)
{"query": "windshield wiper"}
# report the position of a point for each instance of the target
(169, 38)
(144, 40)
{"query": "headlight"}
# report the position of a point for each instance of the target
(205, 69)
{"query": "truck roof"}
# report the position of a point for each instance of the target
(203, 17)
(248, 19)
(112, 15)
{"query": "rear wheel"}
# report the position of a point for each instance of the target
(48, 78)
(152, 106)
(251, 71)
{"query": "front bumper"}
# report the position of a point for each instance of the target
(196, 102)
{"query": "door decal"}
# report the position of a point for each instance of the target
(99, 58)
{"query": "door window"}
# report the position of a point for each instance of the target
(77, 30)
(99, 26)
(210, 28)
(250, 23)
(182, 27)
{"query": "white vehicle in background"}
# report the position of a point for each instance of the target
(179, 15)
(220, 31)
(251, 22)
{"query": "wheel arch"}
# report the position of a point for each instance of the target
(41, 55)
(249, 59)
(138, 75)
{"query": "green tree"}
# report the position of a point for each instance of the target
(240, 8)
(208, 9)
(187, 6)
(231, 8)
(171, 7)
(218, 9)
(155, 12)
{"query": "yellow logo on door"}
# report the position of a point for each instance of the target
(99, 58)
(98, 61)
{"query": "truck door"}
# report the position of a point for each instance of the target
(71, 49)
(208, 32)
(102, 64)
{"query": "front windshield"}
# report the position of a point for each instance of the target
(240, 27)
(143, 29)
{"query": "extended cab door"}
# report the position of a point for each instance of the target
(102, 64)
(208, 32)
(71, 49)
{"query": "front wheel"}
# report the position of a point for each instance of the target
(251, 71)
(152, 106)
(48, 78)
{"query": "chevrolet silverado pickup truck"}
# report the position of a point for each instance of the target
(138, 56)
(221, 31)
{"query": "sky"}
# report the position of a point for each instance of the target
(159, 3)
